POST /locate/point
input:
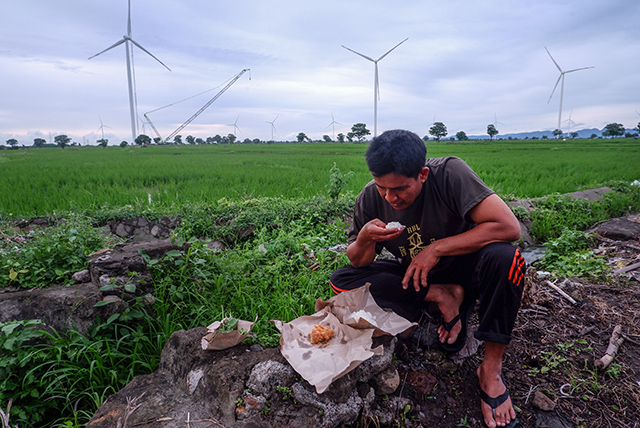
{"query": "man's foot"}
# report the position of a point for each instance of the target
(450, 298)
(497, 409)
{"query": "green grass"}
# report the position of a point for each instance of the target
(45, 181)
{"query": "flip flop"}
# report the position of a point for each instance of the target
(464, 313)
(494, 402)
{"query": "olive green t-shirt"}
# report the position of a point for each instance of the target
(450, 191)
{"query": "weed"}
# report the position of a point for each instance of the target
(570, 255)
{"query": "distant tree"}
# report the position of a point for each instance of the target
(492, 131)
(210, 140)
(123, 144)
(359, 131)
(593, 136)
(425, 138)
(143, 140)
(256, 141)
(103, 142)
(231, 138)
(190, 139)
(326, 138)
(574, 135)
(62, 140)
(246, 141)
(630, 135)
(12, 142)
(557, 133)
(461, 136)
(302, 137)
(438, 130)
(157, 140)
(637, 128)
(199, 140)
(177, 139)
(613, 130)
(341, 137)
(217, 138)
(39, 142)
(350, 137)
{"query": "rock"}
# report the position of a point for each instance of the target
(552, 420)
(239, 389)
(267, 375)
(386, 382)
(81, 277)
(542, 402)
(623, 229)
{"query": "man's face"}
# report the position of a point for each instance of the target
(400, 191)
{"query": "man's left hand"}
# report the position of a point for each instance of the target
(419, 268)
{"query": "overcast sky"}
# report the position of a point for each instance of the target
(465, 63)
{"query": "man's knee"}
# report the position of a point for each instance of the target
(503, 259)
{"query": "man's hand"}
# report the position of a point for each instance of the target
(376, 231)
(363, 251)
(419, 268)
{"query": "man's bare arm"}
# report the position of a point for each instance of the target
(495, 223)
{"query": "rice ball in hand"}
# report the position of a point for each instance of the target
(394, 225)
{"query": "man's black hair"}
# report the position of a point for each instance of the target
(398, 151)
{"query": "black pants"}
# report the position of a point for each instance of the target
(494, 276)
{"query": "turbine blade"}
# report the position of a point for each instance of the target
(118, 43)
(358, 53)
(554, 88)
(578, 69)
(554, 61)
(389, 51)
(129, 20)
(149, 53)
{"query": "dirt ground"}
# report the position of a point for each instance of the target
(552, 354)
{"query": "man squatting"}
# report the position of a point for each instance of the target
(454, 249)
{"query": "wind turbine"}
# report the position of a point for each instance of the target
(376, 84)
(333, 122)
(561, 77)
(126, 39)
(102, 126)
(235, 126)
(570, 122)
(273, 127)
(496, 120)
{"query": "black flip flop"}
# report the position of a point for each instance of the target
(464, 313)
(494, 402)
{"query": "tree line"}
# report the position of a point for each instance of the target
(358, 133)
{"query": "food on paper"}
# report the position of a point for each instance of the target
(364, 315)
(320, 334)
(394, 225)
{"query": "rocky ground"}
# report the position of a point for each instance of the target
(551, 366)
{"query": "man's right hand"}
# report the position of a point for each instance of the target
(376, 231)
(363, 251)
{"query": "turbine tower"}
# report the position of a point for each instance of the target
(126, 39)
(561, 78)
(376, 85)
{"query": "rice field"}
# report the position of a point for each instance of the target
(48, 180)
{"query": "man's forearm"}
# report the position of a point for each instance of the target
(361, 254)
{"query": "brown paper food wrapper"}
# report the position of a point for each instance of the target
(217, 341)
(351, 344)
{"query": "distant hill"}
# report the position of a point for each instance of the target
(582, 133)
